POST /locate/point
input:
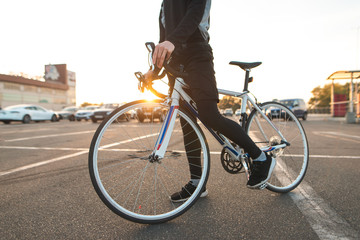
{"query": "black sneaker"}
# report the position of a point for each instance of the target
(261, 172)
(186, 192)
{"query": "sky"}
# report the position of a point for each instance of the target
(299, 42)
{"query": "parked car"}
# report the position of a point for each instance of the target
(105, 110)
(238, 112)
(132, 113)
(85, 113)
(68, 113)
(26, 113)
(228, 112)
(151, 113)
(297, 105)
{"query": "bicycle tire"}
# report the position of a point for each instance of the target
(293, 160)
(125, 174)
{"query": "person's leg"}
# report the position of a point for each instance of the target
(211, 117)
(193, 149)
(193, 153)
(263, 164)
(209, 114)
(201, 78)
(191, 142)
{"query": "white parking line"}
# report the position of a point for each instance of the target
(41, 163)
(342, 134)
(322, 218)
(131, 150)
(326, 223)
(44, 148)
(66, 156)
(58, 135)
(326, 156)
(46, 136)
(26, 130)
(339, 136)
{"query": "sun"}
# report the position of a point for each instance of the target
(147, 95)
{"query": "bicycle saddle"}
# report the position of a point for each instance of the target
(244, 65)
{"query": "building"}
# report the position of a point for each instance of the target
(57, 91)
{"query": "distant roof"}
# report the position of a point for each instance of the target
(31, 82)
(344, 75)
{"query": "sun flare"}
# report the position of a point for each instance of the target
(147, 95)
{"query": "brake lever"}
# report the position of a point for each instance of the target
(150, 46)
(141, 78)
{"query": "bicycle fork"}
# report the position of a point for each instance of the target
(166, 129)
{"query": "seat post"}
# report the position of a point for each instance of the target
(246, 83)
(246, 67)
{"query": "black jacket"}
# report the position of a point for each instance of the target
(184, 21)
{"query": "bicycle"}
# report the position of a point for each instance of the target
(136, 165)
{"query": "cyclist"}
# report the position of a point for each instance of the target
(184, 37)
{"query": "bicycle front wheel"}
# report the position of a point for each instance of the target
(130, 182)
(291, 161)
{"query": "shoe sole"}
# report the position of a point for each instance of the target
(203, 194)
(262, 184)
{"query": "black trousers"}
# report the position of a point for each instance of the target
(197, 60)
(210, 116)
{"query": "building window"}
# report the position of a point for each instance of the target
(58, 100)
(28, 88)
(30, 99)
(60, 92)
(46, 90)
(11, 86)
(12, 97)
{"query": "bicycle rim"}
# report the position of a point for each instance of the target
(292, 161)
(126, 180)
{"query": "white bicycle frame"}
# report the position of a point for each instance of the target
(168, 125)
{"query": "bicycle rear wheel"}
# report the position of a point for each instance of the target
(131, 183)
(291, 161)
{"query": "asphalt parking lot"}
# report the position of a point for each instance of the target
(46, 191)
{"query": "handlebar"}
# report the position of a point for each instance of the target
(166, 69)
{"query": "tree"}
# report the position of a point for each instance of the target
(85, 104)
(322, 95)
(229, 102)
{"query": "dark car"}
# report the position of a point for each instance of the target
(297, 105)
(68, 113)
(151, 113)
(105, 110)
(102, 112)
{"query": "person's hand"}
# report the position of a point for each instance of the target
(149, 75)
(162, 51)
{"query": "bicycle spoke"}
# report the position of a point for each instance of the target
(131, 182)
(290, 128)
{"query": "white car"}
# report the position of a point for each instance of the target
(26, 113)
(228, 112)
(85, 113)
